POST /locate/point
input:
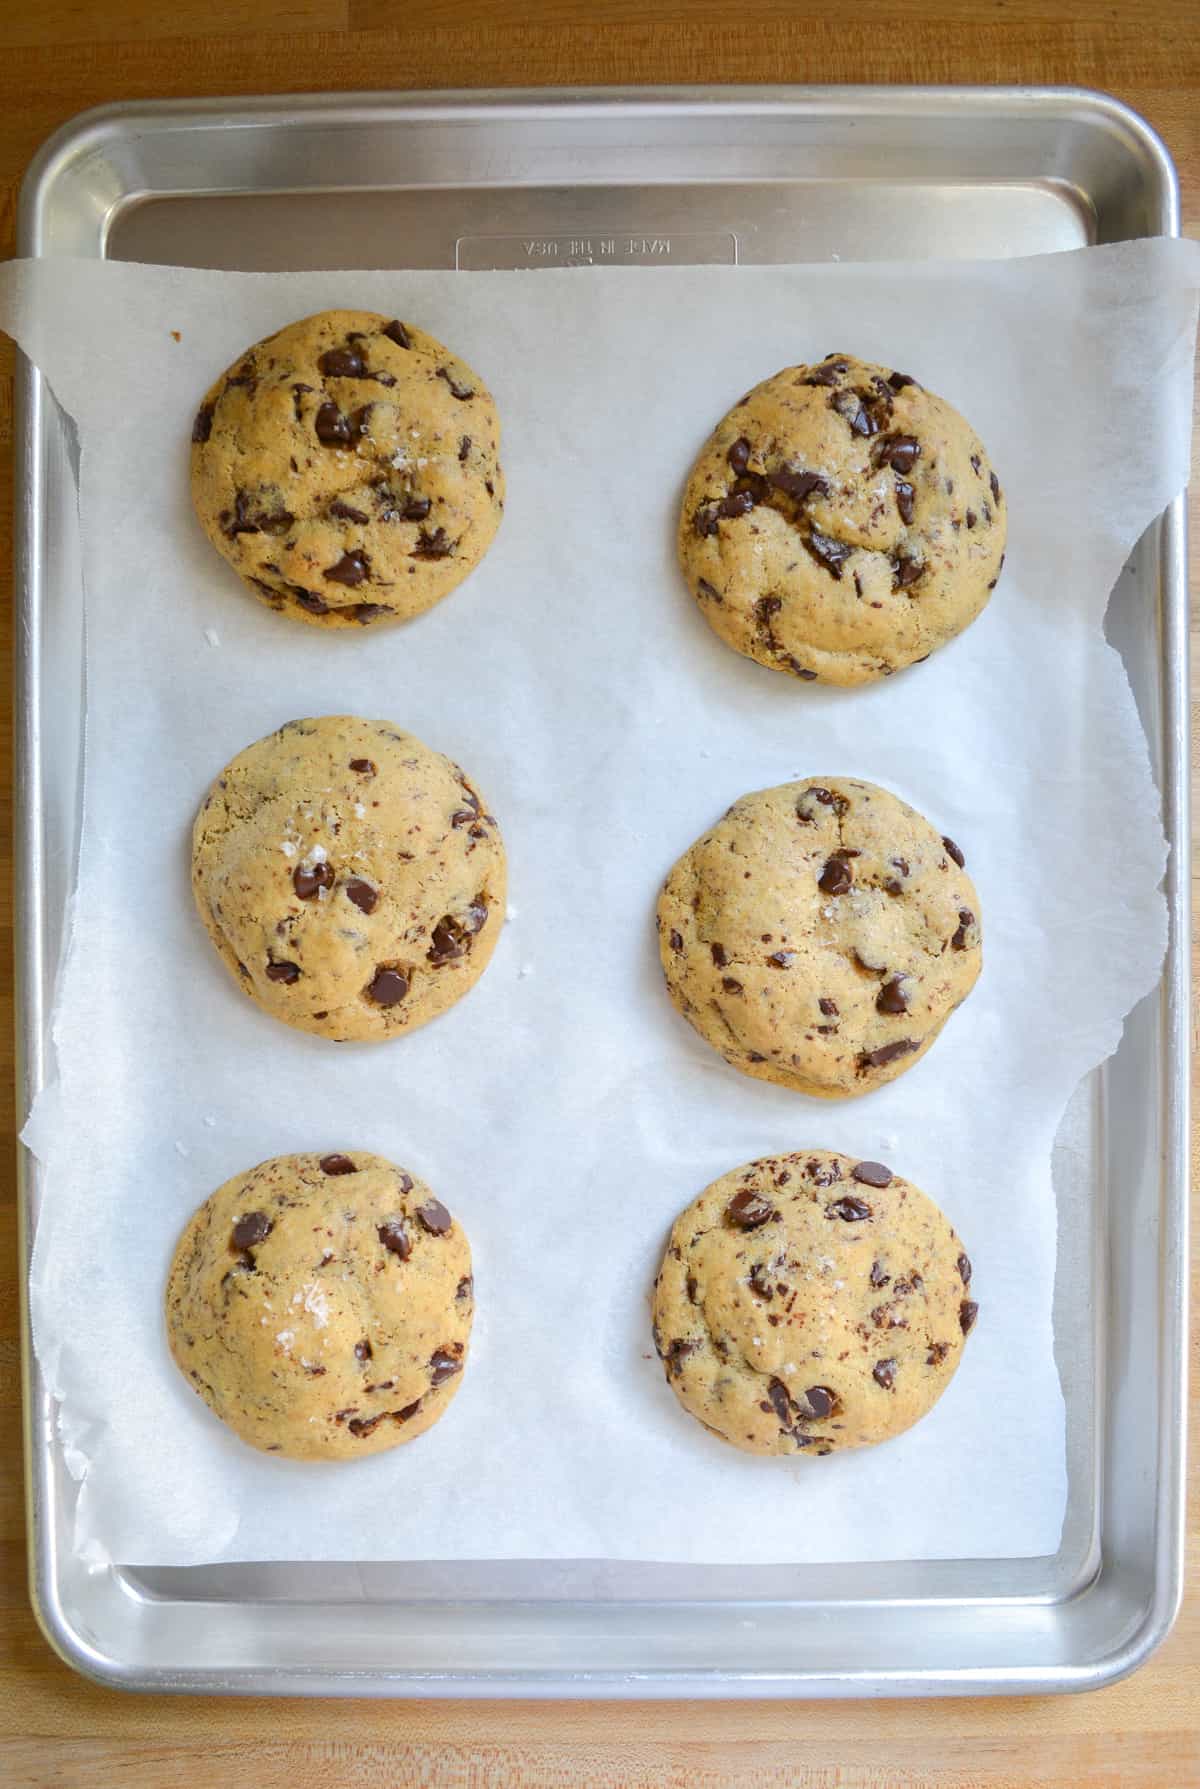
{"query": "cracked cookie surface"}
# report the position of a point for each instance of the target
(810, 1303)
(350, 878)
(347, 469)
(321, 1305)
(841, 523)
(820, 935)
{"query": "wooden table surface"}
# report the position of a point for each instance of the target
(58, 57)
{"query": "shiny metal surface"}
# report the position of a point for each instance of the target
(517, 179)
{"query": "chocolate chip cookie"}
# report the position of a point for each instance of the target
(351, 879)
(811, 1302)
(321, 1305)
(346, 467)
(841, 522)
(820, 935)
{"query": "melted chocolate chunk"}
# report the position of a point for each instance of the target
(897, 451)
(884, 1374)
(395, 1237)
(437, 545)
(434, 1217)
(965, 918)
(365, 898)
(345, 512)
(466, 1287)
(444, 1363)
(886, 1053)
(331, 426)
(796, 483)
(739, 455)
(364, 766)
(458, 390)
(308, 882)
(954, 852)
(251, 1229)
(832, 554)
(968, 1310)
(851, 1211)
(284, 972)
(396, 332)
(351, 569)
(904, 500)
(387, 986)
(838, 875)
(828, 1007)
(337, 1164)
(342, 363)
(749, 1210)
(891, 997)
(964, 1269)
(202, 427)
(871, 1173)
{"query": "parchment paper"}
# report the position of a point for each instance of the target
(563, 1111)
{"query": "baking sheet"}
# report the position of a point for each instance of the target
(563, 1110)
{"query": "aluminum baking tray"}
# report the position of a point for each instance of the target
(696, 175)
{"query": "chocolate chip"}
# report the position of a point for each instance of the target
(465, 1287)
(832, 554)
(364, 766)
(387, 987)
(954, 852)
(731, 986)
(462, 392)
(781, 1401)
(897, 451)
(898, 381)
(884, 1054)
(851, 1211)
(964, 1269)
(308, 599)
(202, 427)
(823, 1173)
(365, 898)
(363, 1350)
(364, 612)
(738, 503)
(676, 942)
(345, 512)
(765, 607)
(904, 500)
(891, 997)
(837, 876)
(434, 1217)
(871, 1173)
(937, 1353)
(995, 484)
(337, 1164)
(972, 518)
(676, 1352)
(331, 426)
(796, 483)
(704, 520)
(708, 591)
(739, 454)
(905, 571)
(760, 1281)
(718, 955)
(878, 1276)
(749, 1210)
(394, 1237)
(254, 1227)
(284, 972)
(444, 1363)
(782, 959)
(863, 412)
(396, 332)
(965, 918)
(975, 462)
(351, 569)
(827, 374)
(828, 1007)
(437, 545)
(968, 1310)
(884, 1373)
(342, 363)
(449, 941)
(820, 1401)
(308, 882)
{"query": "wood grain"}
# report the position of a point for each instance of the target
(63, 55)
